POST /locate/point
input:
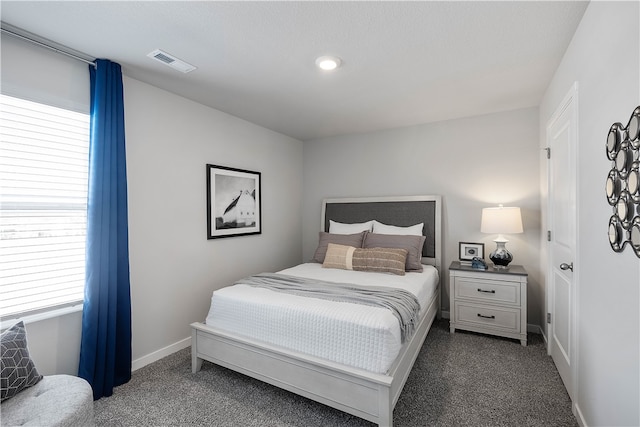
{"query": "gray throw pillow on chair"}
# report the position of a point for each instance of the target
(17, 369)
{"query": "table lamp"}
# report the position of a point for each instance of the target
(501, 220)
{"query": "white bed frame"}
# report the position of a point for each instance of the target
(355, 391)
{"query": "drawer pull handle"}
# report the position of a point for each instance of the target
(492, 291)
(486, 317)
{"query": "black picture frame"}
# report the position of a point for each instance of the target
(234, 202)
(468, 250)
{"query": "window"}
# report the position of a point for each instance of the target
(44, 159)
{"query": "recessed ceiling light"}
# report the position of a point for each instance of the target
(328, 63)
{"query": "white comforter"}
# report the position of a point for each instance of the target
(352, 334)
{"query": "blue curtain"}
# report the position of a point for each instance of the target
(105, 349)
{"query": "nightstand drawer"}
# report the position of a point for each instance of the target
(500, 318)
(487, 290)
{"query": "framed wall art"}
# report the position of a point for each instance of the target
(233, 202)
(623, 183)
(468, 251)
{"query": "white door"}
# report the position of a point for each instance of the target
(561, 140)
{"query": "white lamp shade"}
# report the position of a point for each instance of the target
(501, 220)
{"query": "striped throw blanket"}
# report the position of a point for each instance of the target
(403, 304)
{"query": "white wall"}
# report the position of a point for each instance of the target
(54, 344)
(473, 163)
(174, 268)
(604, 58)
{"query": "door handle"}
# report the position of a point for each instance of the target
(565, 266)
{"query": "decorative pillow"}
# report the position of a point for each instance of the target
(339, 256)
(412, 244)
(380, 260)
(342, 228)
(412, 230)
(341, 239)
(17, 369)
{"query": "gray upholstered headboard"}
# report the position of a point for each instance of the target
(399, 211)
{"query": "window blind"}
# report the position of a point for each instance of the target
(43, 206)
(40, 75)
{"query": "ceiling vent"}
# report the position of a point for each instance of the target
(171, 61)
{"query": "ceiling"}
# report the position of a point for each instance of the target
(404, 63)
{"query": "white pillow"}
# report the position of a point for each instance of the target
(413, 230)
(341, 228)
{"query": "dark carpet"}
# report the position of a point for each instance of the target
(464, 379)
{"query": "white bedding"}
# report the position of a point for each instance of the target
(352, 334)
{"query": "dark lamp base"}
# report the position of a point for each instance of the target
(501, 257)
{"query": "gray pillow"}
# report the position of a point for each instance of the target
(17, 369)
(324, 239)
(413, 245)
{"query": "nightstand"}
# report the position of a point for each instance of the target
(489, 301)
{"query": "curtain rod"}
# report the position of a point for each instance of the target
(23, 35)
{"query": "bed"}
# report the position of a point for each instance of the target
(368, 391)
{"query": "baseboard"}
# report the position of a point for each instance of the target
(544, 337)
(579, 417)
(445, 314)
(159, 354)
(534, 329)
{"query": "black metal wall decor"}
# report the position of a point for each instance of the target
(623, 184)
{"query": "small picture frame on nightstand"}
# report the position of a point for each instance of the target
(469, 250)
